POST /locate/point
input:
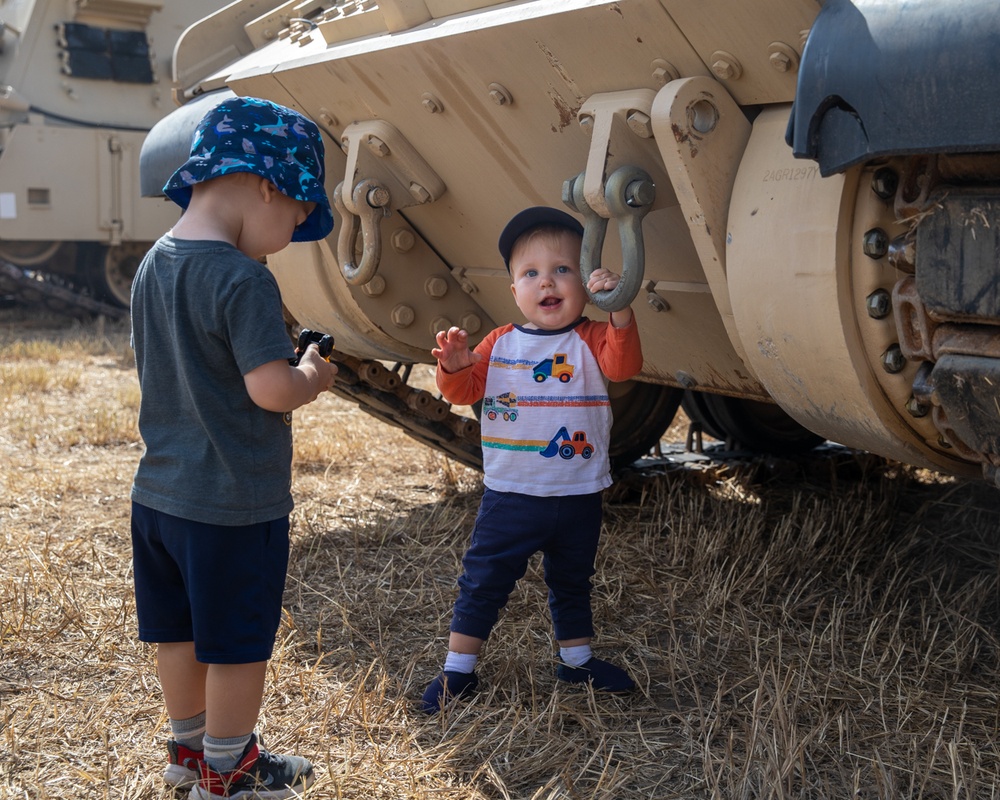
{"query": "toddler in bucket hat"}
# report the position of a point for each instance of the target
(247, 134)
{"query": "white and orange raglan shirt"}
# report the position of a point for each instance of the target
(546, 416)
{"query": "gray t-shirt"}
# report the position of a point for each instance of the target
(203, 315)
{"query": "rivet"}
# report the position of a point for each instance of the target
(893, 360)
(879, 304)
(374, 287)
(436, 286)
(402, 240)
(875, 243)
(402, 316)
(726, 66)
(471, 323)
(499, 94)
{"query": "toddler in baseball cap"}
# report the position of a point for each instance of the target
(247, 134)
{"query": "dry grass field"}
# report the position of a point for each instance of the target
(793, 637)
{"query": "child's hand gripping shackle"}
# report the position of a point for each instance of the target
(324, 341)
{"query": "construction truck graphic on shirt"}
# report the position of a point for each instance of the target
(550, 386)
(503, 405)
(556, 367)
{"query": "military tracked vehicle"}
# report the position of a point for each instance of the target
(81, 83)
(801, 197)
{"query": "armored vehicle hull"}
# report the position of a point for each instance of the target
(799, 196)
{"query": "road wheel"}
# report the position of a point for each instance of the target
(756, 425)
(642, 412)
(110, 270)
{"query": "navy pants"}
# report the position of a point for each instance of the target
(509, 530)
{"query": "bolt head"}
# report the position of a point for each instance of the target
(879, 304)
(917, 409)
(723, 69)
(875, 243)
(893, 360)
(885, 181)
(780, 61)
(639, 124)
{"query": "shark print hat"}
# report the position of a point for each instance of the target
(247, 134)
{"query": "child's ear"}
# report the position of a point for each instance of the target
(267, 189)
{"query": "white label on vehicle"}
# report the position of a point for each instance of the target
(8, 205)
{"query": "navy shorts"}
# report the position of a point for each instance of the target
(215, 585)
(510, 529)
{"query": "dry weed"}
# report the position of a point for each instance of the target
(790, 639)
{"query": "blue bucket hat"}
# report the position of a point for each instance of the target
(246, 134)
(529, 219)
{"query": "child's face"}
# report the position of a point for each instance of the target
(279, 219)
(545, 275)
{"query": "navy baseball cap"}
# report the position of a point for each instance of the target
(247, 134)
(534, 217)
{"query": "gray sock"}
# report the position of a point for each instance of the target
(223, 755)
(189, 732)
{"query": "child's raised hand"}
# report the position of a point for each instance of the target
(602, 280)
(452, 352)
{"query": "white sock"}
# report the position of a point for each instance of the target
(460, 662)
(575, 656)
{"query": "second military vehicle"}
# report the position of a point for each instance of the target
(81, 83)
(801, 197)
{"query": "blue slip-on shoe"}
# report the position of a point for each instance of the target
(446, 687)
(603, 676)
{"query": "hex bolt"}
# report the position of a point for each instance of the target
(686, 380)
(917, 409)
(638, 123)
(440, 324)
(499, 94)
(663, 72)
(374, 287)
(780, 61)
(402, 240)
(420, 194)
(885, 181)
(471, 323)
(893, 360)
(726, 66)
(782, 57)
(879, 304)
(875, 243)
(431, 103)
(639, 194)
(657, 303)
(402, 316)
(377, 146)
(436, 286)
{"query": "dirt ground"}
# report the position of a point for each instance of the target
(828, 632)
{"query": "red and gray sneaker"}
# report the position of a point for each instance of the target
(182, 769)
(257, 774)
